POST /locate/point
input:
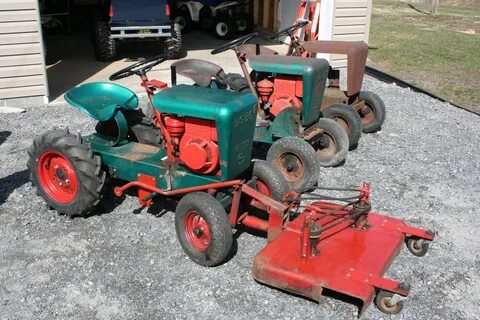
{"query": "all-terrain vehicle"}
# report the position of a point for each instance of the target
(289, 91)
(369, 106)
(224, 18)
(198, 145)
(120, 21)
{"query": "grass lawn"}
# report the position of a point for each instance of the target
(440, 54)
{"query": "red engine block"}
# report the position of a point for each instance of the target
(283, 92)
(196, 140)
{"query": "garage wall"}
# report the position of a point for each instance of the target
(351, 22)
(22, 64)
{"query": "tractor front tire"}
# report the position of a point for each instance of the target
(224, 28)
(203, 229)
(173, 45)
(297, 161)
(375, 117)
(348, 119)
(105, 46)
(333, 145)
(268, 180)
(66, 173)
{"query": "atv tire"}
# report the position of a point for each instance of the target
(105, 46)
(183, 19)
(66, 173)
(224, 28)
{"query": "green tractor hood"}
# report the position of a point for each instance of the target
(314, 73)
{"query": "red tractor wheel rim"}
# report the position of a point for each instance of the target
(197, 231)
(57, 177)
(263, 188)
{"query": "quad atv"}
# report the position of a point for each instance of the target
(368, 105)
(197, 145)
(121, 21)
(289, 91)
(224, 18)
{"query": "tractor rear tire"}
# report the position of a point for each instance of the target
(173, 45)
(183, 19)
(333, 147)
(74, 185)
(297, 161)
(203, 229)
(375, 104)
(348, 119)
(105, 46)
(224, 28)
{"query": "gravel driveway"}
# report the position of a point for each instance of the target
(424, 168)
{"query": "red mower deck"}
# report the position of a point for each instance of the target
(329, 246)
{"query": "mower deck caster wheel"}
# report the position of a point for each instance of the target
(418, 247)
(383, 303)
(203, 229)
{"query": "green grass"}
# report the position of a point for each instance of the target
(435, 53)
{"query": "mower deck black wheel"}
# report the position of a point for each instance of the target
(382, 301)
(297, 161)
(203, 229)
(224, 28)
(183, 19)
(374, 116)
(348, 119)
(66, 173)
(105, 46)
(418, 247)
(332, 145)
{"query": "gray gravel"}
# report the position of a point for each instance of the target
(424, 167)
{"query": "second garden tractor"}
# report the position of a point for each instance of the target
(197, 145)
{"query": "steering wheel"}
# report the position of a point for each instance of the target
(234, 43)
(139, 68)
(288, 31)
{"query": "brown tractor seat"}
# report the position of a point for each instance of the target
(356, 52)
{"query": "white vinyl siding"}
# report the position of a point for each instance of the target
(351, 22)
(22, 66)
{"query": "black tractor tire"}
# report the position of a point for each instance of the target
(297, 161)
(184, 19)
(333, 147)
(224, 28)
(265, 173)
(173, 45)
(105, 46)
(244, 24)
(377, 106)
(77, 163)
(197, 215)
(237, 83)
(349, 120)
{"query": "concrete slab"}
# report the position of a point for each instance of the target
(70, 60)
